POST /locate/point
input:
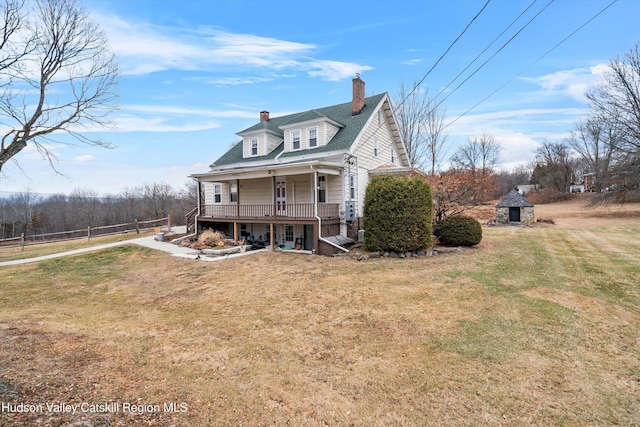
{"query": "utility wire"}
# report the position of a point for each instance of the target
(533, 63)
(444, 54)
(434, 65)
(484, 50)
(495, 53)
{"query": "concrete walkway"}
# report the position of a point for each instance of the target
(147, 242)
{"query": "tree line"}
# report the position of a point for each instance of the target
(605, 145)
(30, 213)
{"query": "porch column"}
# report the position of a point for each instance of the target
(274, 198)
(235, 232)
(272, 244)
(316, 237)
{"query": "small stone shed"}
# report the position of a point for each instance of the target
(514, 208)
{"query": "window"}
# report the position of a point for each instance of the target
(217, 193)
(295, 140)
(254, 146)
(313, 137)
(379, 118)
(393, 155)
(233, 192)
(322, 189)
(375, 146)
(352, 187)
(288, 233)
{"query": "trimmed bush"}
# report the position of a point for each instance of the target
(458, 230)
(397, 214)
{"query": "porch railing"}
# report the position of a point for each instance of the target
(261, 211)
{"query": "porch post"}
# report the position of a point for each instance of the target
(274, 197)
(272, 244)
(235, 232)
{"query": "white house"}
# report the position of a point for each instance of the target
(298, 181)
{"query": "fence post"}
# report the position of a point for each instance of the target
(137, 227)
(22, 241)
(88, 233)
(169, 222)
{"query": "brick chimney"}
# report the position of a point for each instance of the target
(357, 104)
(264, 116)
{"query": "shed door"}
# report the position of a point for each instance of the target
(514, 214)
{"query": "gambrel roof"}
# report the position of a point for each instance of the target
(341, 115)
(514, 200)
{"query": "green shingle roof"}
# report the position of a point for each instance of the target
(341, 113)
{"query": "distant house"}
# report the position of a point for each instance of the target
(514, 208)
(525, 189)
(298, 181)
(589, 182)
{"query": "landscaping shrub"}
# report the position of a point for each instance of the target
(397, 214)
(211, 237)
(458, 230)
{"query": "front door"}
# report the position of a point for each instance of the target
(514, 214)
(281, 197)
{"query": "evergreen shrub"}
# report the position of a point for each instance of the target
(458, 230)
(397, 214)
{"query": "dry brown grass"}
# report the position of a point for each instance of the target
(535, 326)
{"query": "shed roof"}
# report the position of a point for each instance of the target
(514, 200)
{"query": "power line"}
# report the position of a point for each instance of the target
(495, 53)
(435, 64)
(533, 63)
(485, 49)
(445, 53)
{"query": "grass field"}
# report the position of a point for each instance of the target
(535, 326)
(33, 251)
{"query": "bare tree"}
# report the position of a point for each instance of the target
(596, 141)
(62, 81)
(617, 99)
(478, 154)
(421, 125)
(554, 169)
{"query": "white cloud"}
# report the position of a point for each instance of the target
(84, 158)
(146, 48)
(126, 123)
(335, 70)
(573, 83)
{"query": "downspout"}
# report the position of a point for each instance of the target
(315, 211)
(195, 219)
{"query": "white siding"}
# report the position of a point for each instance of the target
(334, 189)
(364, 150)
(256, 191)
(272, 142)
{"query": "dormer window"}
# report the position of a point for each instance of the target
(295, 140)
(254, 146)
(313, 137)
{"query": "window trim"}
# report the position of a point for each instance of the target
(314, 129)
(233, 193)
(251, 146)
(352, 187)
(217, 193)
(322, 188)
(296, 132)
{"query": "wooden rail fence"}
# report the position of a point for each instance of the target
(106, 230)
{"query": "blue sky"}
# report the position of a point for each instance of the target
(195, 72)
